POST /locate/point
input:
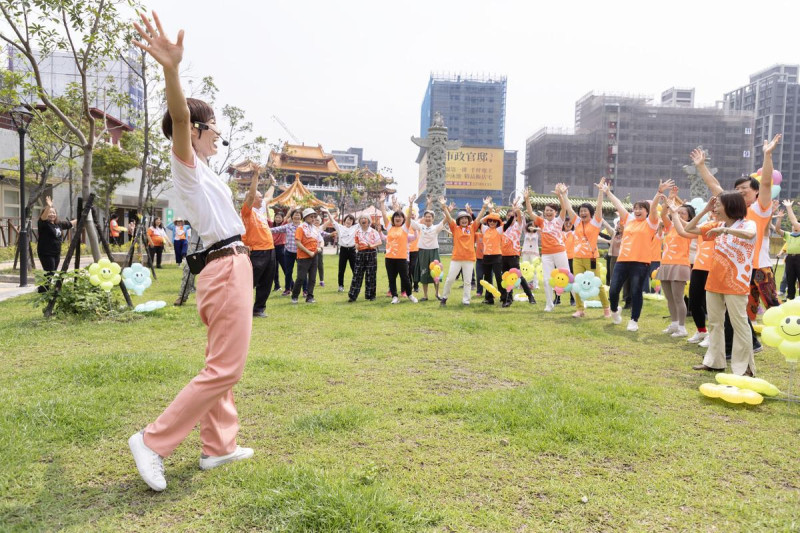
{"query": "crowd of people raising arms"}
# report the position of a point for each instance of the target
(728, 268)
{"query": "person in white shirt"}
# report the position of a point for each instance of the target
(428, 235)
(224, 287)
(346, 232)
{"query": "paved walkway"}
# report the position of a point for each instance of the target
(10, 290)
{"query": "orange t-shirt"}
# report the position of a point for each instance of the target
(479, 245)
(492, 241)
(413, 246)
(569, 244)
(655, 247)
(464, 241)
(156, 237)
(762, 219)
(114, 228)
(586, 239)
(704, 255)
(676, 248)
(397, 242)
(732, 262)
(257, 234)
(510, 242)
(636, 240)
(308, 236)
(552, 234)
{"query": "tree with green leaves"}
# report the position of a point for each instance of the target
(91, 33)
(109, 166)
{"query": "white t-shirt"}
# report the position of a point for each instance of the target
(428, 235)
(347, 236)
(207, 200)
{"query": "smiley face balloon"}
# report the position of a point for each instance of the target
(782, 329)
(137, 278)
(586, 285)
(104, 274)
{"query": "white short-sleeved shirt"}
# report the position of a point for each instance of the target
(207, 200)
(428, 235)
(347, 236)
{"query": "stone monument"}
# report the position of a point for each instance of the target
(435, 146)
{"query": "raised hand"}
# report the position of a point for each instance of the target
(48, 201)
(442, 201)
(382, 198)
(673, 193)
(452, 206)
(487, 201)
(603, 186)
(710, 205)
(167, 53)
(780, 213)
(664, 185)
(412, 198)
(698, 157)
(787, 204)
(769, 146)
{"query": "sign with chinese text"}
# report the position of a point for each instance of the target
(474, 168)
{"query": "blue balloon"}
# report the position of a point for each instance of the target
(776, 190)
(586, 285)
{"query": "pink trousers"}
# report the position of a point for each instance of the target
(225, 304)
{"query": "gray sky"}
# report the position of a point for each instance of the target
(354, 73)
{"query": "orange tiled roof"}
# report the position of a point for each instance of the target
(299, 157)
(297, 194)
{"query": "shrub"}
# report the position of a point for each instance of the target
(78, 297)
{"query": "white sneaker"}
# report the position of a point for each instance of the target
(616, 316)
(465, 302)
(680, 332)
(412, 298)
(633, 325)
(705, 342)
(548, 308)
(148, 462)
(697, 337)
(207, 462)
(672, 328)
(395, 300)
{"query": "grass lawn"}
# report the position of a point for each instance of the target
(378, 417)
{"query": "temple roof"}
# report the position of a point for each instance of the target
(299, 157)
(297, 194)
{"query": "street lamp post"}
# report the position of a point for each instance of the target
(21, 117)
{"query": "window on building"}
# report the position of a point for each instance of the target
(748, 131)
(10, 207)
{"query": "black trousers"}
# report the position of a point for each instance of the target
(155, 253)
(479, 276)
(263, 262)
(288, 268)
(792, 266)
(509, 262)
(412, 269)
(49, 265)
(306, 269)
(395, 267)
(280, 259)
(366, 267)
(697, 297)
(347, 254)
(493, 264)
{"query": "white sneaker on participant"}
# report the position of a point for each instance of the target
(207, 462)
(680, 332)
(633, 325)
(697, 337)
(395, 300)
(669, 330)
(412, 298)
(148, 462)
(705, 342)
(616, 316)
(548, 308)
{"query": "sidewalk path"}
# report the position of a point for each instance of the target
(10, 290)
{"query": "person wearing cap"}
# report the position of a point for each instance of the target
(258, 237)
(428, 236)
(554, 250)
(289, 229)
(180, 238)
(307, 238)
(492, 229)
(464, 230)
(397, 250)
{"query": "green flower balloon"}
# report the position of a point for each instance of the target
(104, 274)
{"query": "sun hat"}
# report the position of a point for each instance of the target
(493, 216)
(462, 214)
(308, 211)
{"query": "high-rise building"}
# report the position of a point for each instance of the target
(635, 143)
(474, 111)
(353, 158)
(772, 96)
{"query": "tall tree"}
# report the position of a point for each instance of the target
(91, 33)
(109, 166)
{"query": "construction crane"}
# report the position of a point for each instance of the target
(286, 129)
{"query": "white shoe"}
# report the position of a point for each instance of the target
(705, 342)
(548, 308)
(616, 316)
(465, 302)
(633, 325)
(697, 337)
(148, 462)
(207, 462)
(672, 328)
(412, 298)
(680, 332)
(395, 300)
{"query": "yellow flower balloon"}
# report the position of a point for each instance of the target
(782, 329)
(104, 274)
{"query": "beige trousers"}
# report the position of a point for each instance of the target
(742, 352)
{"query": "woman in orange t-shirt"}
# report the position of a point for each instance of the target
(675, 269)
(491, 226)
(634, 254)
(728, 282)
(397, 250)
(464, 230)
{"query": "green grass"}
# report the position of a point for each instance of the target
(378, 417)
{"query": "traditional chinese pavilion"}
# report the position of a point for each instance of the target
(297, 194)
(315, 168)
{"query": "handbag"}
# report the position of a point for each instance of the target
(197, 260)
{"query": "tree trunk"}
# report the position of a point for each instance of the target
(86, 180)
(146, 144)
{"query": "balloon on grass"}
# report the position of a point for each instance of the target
(104, 274)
